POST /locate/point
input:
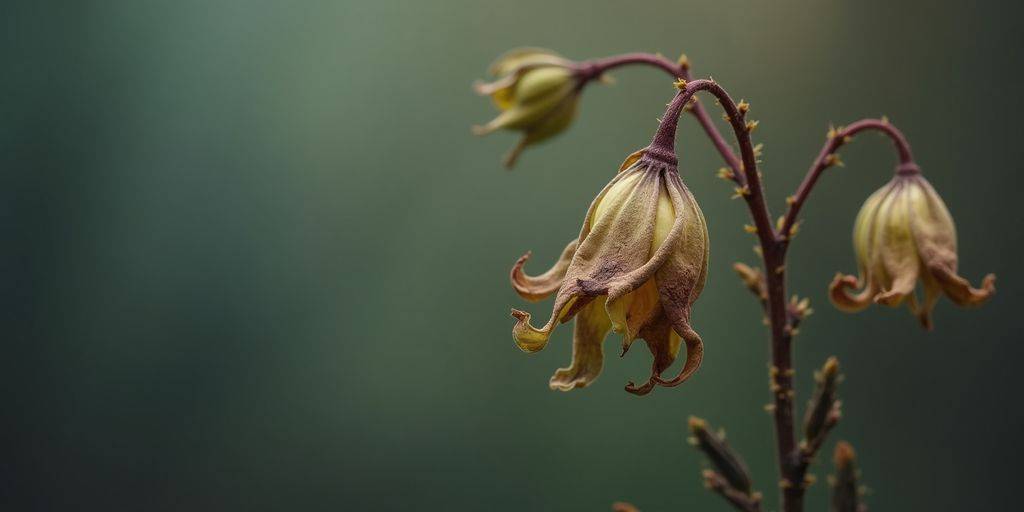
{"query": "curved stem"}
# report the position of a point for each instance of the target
(773, 253)
(595, 68)
(626, 59)
(751, 191)
(826, 159)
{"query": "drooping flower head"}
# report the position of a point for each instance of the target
(536, 91)
(905, 234)
(637, 267)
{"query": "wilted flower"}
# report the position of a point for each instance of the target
(903, 234)
(639, 265)
(536, 91)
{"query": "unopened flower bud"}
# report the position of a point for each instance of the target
(536, 91)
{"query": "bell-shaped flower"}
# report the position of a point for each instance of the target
(536, 91)
(637, 267)
(904, 234)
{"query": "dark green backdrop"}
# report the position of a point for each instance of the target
(253, 259)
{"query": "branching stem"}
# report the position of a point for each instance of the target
(773, 253)
(825, 159)
(774, 244)
(595, 68)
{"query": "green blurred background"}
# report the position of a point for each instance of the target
(253, 258)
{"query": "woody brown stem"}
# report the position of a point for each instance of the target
(773, 253)
(781, 376)
(745, 174)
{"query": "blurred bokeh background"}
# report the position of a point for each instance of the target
(253, 259)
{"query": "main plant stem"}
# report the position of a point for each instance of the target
(774, 257)
(746, 176)
(792, 462)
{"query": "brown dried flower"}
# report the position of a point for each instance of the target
(638, 267)
(903, 234)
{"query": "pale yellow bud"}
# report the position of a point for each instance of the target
(536, 92)
(903, 235)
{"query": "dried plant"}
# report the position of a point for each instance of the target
(641, 258)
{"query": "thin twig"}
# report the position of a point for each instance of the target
(728, 463)
(823, 408)
(753, 278)
(773, 253)
(596, 68)
(743, 502)
(827, 157)
(845, 491)
(823, 413)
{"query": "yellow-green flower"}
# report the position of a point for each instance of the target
(638, 266)
(536, 91)
(902, 235)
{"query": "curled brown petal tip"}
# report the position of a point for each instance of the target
(960, 291)
(521, 282)
(535, 288)
(694, 357)
(891, 298)
(894, 297)
(528, 338)
(838, 292)
(648, 386)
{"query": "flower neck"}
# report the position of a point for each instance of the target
(658, 155)
(663, 146)
(587, 71)
(908, 169)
